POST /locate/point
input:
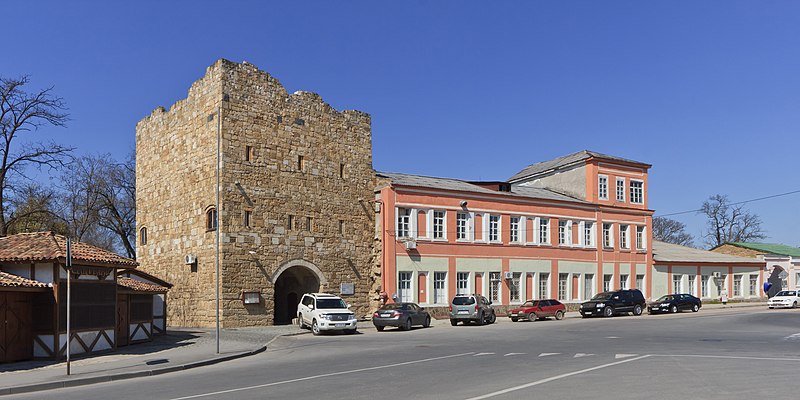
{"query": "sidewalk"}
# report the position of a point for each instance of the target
(179, 349)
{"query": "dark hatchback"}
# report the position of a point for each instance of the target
(673, 303)
(608, 304)
(401, 315)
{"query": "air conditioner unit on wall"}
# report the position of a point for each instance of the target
(190, 259)
(717, 275)
(411, 245)
(508, 275)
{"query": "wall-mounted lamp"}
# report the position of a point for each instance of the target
(377, 206)
(463, 203)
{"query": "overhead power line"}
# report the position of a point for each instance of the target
(733, 204)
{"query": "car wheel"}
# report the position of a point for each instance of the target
(407, 325)
(480, 320)
(637, 310)
(559, 315)
(695, 308)
(492, 318)
(673, 309)
(794, 305)
(514, 319)
(532, 317)
(608, 312)
(315, 328)
(350, 331)
(380, 328)
(300, 323)
(427, 322)
(453, 322)
(771, 308)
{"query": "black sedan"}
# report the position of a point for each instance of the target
(673, 303)
(401, 315)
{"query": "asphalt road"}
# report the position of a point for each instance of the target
(713, 354)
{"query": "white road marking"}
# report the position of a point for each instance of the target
(514, 354)
(625, 355)
(548, 354)
(553, 378)
(352, 371)
(482, 354)
(579, 355)
(612, 337)
(727, 357)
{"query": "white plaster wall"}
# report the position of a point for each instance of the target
(23, 270)
(660, 281)
(44, 273)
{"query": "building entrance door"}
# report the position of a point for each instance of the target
(16, 337)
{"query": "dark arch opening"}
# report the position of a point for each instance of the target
(291, 285)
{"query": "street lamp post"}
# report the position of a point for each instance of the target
(216, 217)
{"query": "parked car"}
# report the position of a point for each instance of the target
(401, 315)
(325, 312)
(471, 308)
(608, 304)
(536, 309)
(784, 299)
(675, 302)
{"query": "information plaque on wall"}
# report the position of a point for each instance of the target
(348, 289)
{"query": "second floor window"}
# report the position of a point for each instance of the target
(438, 224)
(462, 226)
(143, 236)
(565, 232)
(588, 234)
(211, 219)
(403, 222)
(623, 237)
(544, 230)
(640, 241)
(602, 187)
(494, 228)
(637, 192)
(607, 238)
(621, 189)
(514, 231)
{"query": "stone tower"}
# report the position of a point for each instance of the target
(296, 211)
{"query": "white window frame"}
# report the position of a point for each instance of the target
(543, 285)
(563, 286)
(543, 230)
(607, 235)
(494, 233)
(624, 281)
(620, 189)
(401, 297)
(515, 286)
(753, 285)
(677, 283)
(692, 285)
(513, 229)
(586, 228)
(565, 232)
(640, 282)
(704, 279)
(737, 286)
(463, 277)
(608, 282)
(403, 223)
(439, 225)
(495, 295)
(440, 287)
(641, 237)
(637, 191)
(467, 226)
(624, 236)
(588, 286)
(602, 187)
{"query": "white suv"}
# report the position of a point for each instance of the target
(325, 312)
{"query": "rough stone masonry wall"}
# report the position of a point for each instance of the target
(175, 177)
(279, 128)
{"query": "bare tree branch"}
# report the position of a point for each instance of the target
(729, 223)
(671, 231)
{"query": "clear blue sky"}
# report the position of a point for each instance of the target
(707, 92)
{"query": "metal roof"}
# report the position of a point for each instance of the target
(464, 186)
(667, 252)
(566, 160)
(770, 248)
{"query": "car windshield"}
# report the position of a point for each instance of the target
(331, 303)
(529, 304)
(463, 301)
(665, 298)
(786, 293)
(603, 296)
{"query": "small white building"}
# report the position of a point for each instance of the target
(782, 263)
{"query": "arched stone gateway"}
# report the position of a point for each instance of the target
(291, 281)
(777, 278)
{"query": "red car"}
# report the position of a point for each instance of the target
(536, 309)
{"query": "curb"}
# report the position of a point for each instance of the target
(138, 374)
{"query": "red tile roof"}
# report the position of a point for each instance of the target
(16, 281)
(139, 286)
(47, 246)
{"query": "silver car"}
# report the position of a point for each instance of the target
(471, 308)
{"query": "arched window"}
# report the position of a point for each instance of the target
(211, 219)
(143, 236)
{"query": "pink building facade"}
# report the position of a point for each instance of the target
(566, 228)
